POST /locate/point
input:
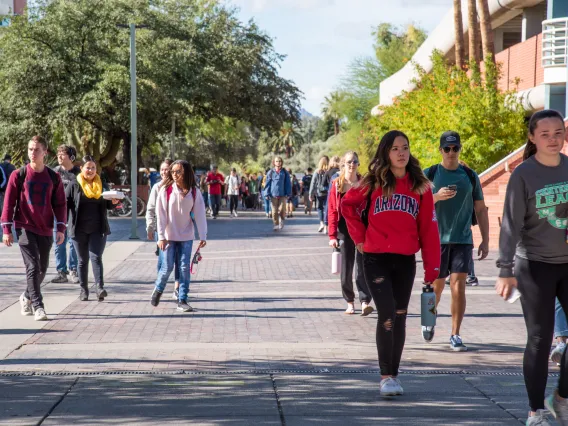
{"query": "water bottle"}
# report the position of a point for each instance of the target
(336, 261)
(428, 302)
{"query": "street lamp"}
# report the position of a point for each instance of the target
(133, 131)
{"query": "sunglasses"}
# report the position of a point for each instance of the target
(447, 149)
(177, 172)
(355, 162)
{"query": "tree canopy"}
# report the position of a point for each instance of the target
(64, 72)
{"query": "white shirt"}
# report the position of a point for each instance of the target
(233, 184)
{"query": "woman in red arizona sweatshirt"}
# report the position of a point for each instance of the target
(348, 178)
(395, 200)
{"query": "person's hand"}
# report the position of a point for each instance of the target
(202, 244)
(359, 248)
(444, 194)
(483, 250)
(504, 286)
(162, 244)
(334, 243)
(150, 235)
(8, 239)
(115, 201)
(59, 238)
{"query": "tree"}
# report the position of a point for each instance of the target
(486, 31)
(287, 140)
(473, 32)
(331, 108)
(458, 30)
(395, 47)
(64, 72)
(491, 124)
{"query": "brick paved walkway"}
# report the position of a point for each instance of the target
(263, 301)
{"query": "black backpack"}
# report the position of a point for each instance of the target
(470, 174)
(3, 179)
(323, 185)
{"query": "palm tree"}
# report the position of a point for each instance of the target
(287, 140)
(331, 108)
(486, 31)
(458, 29)
(473, 32)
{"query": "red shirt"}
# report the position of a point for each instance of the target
(37, 207)
(402, 224)
(214, 180)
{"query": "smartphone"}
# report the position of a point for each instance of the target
(453, 187)
(515, 295)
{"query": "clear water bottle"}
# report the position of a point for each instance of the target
(336, 261)
(428, 303)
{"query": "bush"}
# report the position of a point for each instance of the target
(491, 123)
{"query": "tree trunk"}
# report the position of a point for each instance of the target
(486, 31)
(458, 29)
(473, 32)
(336, 127)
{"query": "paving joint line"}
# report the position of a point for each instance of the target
(278, 404)
(59, 401)
(492, 400)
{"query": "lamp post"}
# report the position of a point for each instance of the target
(133, 131)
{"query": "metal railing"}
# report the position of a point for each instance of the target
(554, 42)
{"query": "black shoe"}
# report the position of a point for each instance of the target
(101, 293)
(60, 278)
(184, 307)
(84, 296)
(156, 295)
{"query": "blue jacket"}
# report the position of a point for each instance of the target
(278, 184)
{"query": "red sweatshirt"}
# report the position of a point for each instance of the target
(214, 180)
(402, 224)
(334, 208)
(35, 211)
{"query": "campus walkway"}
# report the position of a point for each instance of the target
(268, 343)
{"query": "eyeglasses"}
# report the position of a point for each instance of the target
(177, 172)
(354, 162)
(447, 149)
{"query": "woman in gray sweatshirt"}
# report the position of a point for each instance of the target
(533, 255)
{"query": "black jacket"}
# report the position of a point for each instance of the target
(73, 194)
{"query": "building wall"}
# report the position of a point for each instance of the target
(522, 62)
(19, 6)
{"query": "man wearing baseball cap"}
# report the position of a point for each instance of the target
(458, 198)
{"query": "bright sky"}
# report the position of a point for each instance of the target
(320, 37)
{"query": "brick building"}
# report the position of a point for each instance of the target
(531, 44)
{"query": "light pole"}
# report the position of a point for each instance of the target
(133, 131)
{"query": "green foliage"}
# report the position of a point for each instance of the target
(64, 69)
(491, 124)
(288, 140)
(332, 108)
(395, 47)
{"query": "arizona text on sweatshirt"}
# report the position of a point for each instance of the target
(535, 215)
(173, 214)
(404, 223)
(39, 204)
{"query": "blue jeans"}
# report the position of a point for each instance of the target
(322, 209)
(61, 254)
(179, 251)
(161, 260)
(206, 199)
(560, 322)
(215, 203)
(267, 206)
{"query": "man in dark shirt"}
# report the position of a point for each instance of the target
(6, 169)
(306, 182)
(68, 172)
(34, 200)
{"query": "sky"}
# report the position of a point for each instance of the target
(321, 37)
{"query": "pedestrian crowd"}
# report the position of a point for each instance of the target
(377, 220)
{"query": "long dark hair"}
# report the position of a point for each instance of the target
(188, 175)
(530, 148)
(380, 174)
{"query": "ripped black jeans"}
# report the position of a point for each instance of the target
(390, 278)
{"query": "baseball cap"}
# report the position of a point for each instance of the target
(8, 157)
(450, 138)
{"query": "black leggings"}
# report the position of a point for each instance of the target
(540, 283)
(390, 278)
(89, 246)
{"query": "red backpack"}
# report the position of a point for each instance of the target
(169, 190)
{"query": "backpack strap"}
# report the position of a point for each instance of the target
(432, 172)
(471, 176)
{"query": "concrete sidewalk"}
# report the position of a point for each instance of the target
(268, 343)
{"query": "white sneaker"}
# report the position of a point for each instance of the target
(276, 227)
(25, 305)
(40, 314)
(389, 387)
(281, 226)
(400, 390)
(235, 213)
(325, 230)
(556, 354)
